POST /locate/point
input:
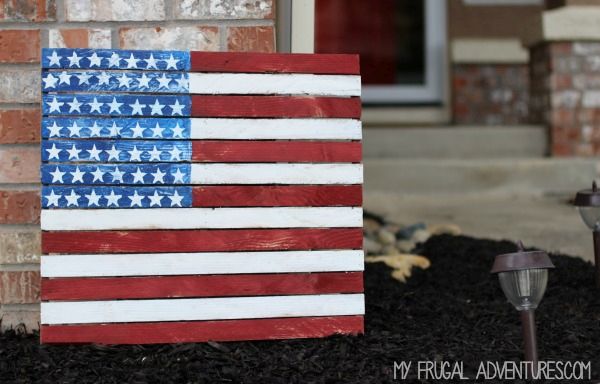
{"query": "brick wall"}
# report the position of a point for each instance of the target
(28, 25)
(490, 94)
(565, 95)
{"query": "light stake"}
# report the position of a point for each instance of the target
(523, 277)
(587, 202)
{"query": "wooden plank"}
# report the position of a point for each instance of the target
(277, 196)
(84, 58)
(223, 151)
(115, 128)
(111, 81)
(202, 331)
(254, 62)
(275, 106)
(214, 308)
(206, 263)
(276, 174)
(116, 197)
(198, 218)
(112, 174)
(202, 240)
(107, 288)
(273, 84)
(274, 129)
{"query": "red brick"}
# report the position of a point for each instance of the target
(19, 207)
(196, 38)
(19, 287)
(80, 38)
(20, 126)
(560, 48)
(20, 165)
(20, 46)
(230, 9)
(29, 10)
(255, 39)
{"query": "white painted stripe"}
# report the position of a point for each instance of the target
(272, 84)
(196, 218)
(206, 263)
(257, 307)
(276, 129)
(281, 173)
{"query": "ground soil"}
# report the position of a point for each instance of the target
(454, 311)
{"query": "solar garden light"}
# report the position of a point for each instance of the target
(523, 277)
(587, 202)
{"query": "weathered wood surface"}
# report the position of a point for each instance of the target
(55, 58)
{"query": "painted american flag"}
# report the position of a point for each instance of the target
(194, 196)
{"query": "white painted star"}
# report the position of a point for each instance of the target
(157, 131)
(144, 81)
(95, 129)
(50, 81)
(163, 82)
(112, 199)
(94, 153)
(157, 108)
(52, 199)
(137, 108)
(177, 108)
(74, 130)
(74, 60)
(158, 176)
(177, 131)
(95, 60)
(53, 153)
(77, 176)
(75, 105)
(113, 60)
(124, 81)
(117, 175)
(98, 175)
(64, 78)
(55, 105)
(113, 153)
(73, 153)
(175, 153)
(175, 199)
(155, 199)
(178, 176)
(114, 130)
(134, 154)
(183, 81)
(136, 200)
(57, 176)
(154, 154)
(83, 78)
(93, 199)
(137, 131)
(72, 199)
(114, 106)
(54, 59)
(151, 62)
(54, 129)
(132, 62)
(171, 62)
(138, 176)
(95, 106)
(103, 78)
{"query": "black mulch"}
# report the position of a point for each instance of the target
(454, 311)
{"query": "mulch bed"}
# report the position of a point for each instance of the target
(455, 311)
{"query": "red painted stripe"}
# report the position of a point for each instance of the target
(201, 240)
(275, 106)
(277, 196)
(236, 151)
(274, 62)
(201, 331)
(148, 287)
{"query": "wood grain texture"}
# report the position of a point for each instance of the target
(199, 218)
(273, 84)
(223, 151)
(277, 196)
(204, 263)
(274, 62)
(275, 106)
(74, 242)
(213, 308)
(202, 331)
(200, 286)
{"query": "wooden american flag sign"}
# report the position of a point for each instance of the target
(193, 196)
